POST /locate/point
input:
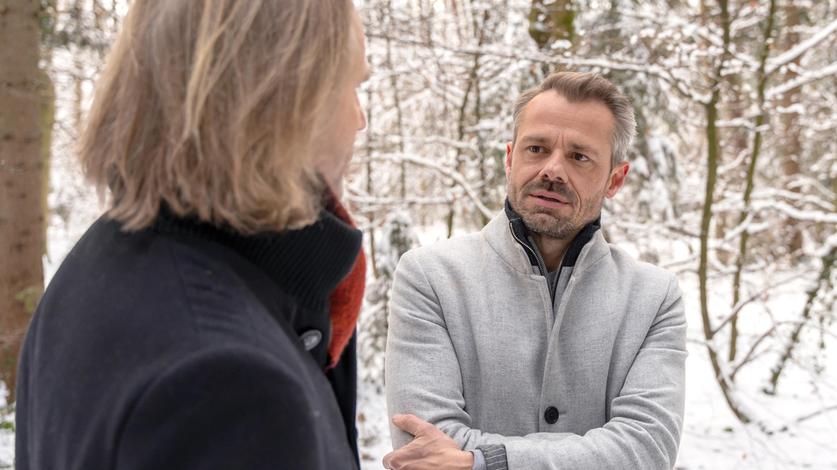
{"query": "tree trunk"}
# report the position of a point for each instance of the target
(483, 193)
(393, 82)
(22, 176)
(790, 146)
(712, 157)
(715, 359)
(369, 185)
(740, 260)
(821, 284)
(473, 85)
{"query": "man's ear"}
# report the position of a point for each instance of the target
(508, 158)
(617, 178)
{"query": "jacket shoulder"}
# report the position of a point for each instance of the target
(454, 249)
(628, 265)
(644, 282)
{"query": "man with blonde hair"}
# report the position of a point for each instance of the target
(534, 344)
(207, 319)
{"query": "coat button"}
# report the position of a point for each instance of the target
(551, 415)
(310, 339)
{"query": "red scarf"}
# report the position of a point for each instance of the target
(347, 297)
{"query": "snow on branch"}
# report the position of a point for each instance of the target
(436, 139)
(455, 176)
(794, 213)
(802, 79)
(368, 203)
(657, 71)
(801, 48)
(772, 194)
(742, 122)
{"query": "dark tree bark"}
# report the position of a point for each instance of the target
(712, 158)
(740, 260)
(791, 145)
(24, 89)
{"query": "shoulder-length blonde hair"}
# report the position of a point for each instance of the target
(209, 106)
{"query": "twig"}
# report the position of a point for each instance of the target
(823, 280)
(749, 354)
(456, 177)
(740, 305)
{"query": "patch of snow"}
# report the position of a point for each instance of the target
(7, 436)
(373, 426)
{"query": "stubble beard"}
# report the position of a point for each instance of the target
(544, 221)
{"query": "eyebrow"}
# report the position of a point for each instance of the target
(575, 147)
(535, 139)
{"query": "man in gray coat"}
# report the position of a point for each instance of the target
(534, 344)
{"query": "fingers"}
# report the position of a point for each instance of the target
(429, 455)
(388, 460)
(405, 457)
(412, 424)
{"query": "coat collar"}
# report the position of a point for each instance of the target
(500, 235)
(307, 263)
(521, 235)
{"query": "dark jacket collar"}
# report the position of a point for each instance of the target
(521, 234)
(307, 263)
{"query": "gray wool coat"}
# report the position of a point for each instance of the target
(476, 347)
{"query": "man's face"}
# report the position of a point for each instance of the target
(559, 167)
(336, 137)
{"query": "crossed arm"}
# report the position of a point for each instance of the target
(423, 378)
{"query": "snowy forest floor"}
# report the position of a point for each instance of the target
(713, 438)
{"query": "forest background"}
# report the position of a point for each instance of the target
(733, 182)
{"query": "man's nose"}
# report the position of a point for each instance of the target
(553, 168)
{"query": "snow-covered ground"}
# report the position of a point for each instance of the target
(714, 439)
(373, 428)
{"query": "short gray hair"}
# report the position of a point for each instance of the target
(576, 87)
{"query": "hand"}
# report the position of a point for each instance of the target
(430, 449)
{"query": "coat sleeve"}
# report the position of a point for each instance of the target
(219, 410)
(423, 378)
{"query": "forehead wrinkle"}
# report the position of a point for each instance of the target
(560, 120)
(572, 140)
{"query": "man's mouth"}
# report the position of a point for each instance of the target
(549, 196)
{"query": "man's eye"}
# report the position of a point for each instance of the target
(535, 149)
(580, 157)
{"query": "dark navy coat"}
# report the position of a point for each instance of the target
(178, 347)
